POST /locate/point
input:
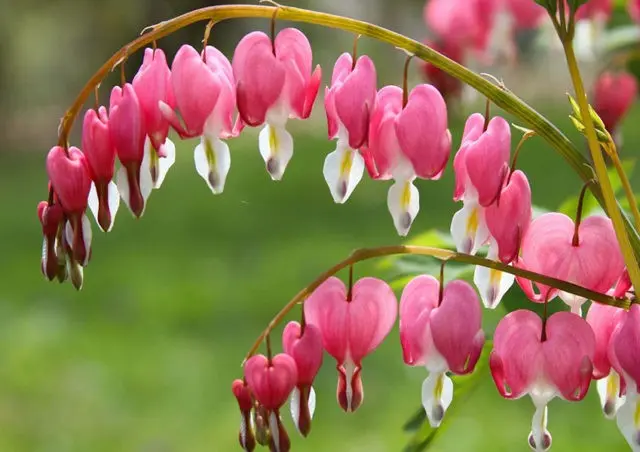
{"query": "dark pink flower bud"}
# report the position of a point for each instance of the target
(271, 382)
(245, 401)
(100, 155)
(51, 217)
(71, 182)
(305, 347)
(351, 328)
(613, 95)
(152, 85)
(127, 132)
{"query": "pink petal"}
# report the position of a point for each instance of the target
(260, 77)
(472, 131)
(126, 124)
(603, 320)
(613, 95)
(508, 220)
(455, 327)
(305, 348)
(96, 143)
(419, 298)
(271, 382)
(422, 131)
(69, 178)
(626, 347)
(293, 49)
(312, 91)
(218, 63)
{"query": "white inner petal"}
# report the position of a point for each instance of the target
(574, 302)
(122, 181)
(539, 438)
(468, 227)
(492, 284)
(403, 201)
(275, 431)
(437, 394)
(628, 418)
(276, 148)
(94, 203)
(166, 162)
(213, 161)
(349, 370)
(113, 201)
(609, 394)
(343, 170)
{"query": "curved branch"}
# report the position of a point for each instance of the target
(500, 96)
(444, 255)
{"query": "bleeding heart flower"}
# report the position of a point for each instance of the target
(204, 89)
(271, 382)
(624, 354)
(604, 320)
(442, 335)
(100, 155)
(127, 132)
(274, 83)
(305, 347)
(242, 393)
(544, 361)
(480, 166)
(553, 247)
(352, 326)
(348, 104)
(613, 96)
(51, 218)
(71, 183)
(406, 142)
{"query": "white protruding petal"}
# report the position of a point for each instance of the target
(295, 407)
(276, 148)
(628, 419)
(575, 302)
(492, 284)
(468, 228)
(113, 201)
(213, 161)
(403, 201)
(349, 369)
(311, 402)
(243, 432)
(437, 394)
(539, 438)
(146, 180)
(609, 393)
(86, 235)
(122, 181)
(94, 203)
(45, 255)
(275, 431)
(166, 162)
(343, 170)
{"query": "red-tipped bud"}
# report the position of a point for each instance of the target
(245, 402)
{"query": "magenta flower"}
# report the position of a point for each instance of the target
(51, 217)
(271, 381)
(242, 393)
(352, 326)
(205, 96)
(544, 361)
(275, 83)
(71, 183)
(613, 96)
(406, 142)
(442, 335)
(304, 345)
(553, 247)
(348, 104)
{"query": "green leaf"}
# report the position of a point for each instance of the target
(575, 4)
(431, 237)
(463, 387)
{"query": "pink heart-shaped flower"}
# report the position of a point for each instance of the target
(70, 178)
(271, 382)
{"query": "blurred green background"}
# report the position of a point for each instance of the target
(143, 357)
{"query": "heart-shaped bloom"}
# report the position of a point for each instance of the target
(204, 89)
(604, 320)
(444, 336)
(544, 361)
(351, 327)
(271, 381)
(100, 155)
(152, 85)
(274, 83)
(480, 166)
(242, 393)
(406, 142)
(613, 95)
(51, 217)
(624, 354)
(549, 248)
(348, 104)
(128, 133)
(304, 345)
(71, 183)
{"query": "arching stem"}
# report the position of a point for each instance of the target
(438, 253)
(576, 236)
(405, 80)
(487, 115)
(273, 29)
(268, 344)
(205, 39)
(354, 51)
(516, 153)
(350, 290)
(441, 287)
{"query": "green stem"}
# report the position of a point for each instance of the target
(626, 185)
(444, 255)
(601, 168)
(500, 96)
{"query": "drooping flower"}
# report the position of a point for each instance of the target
(348, 104)
(304, 345)
(405, 142)
(352, 326)
(481, 166)
(152, 85)
(53, 261)
(604, 320)
(100, 155)
(442, 335)
(275, 82)
(204, 89)
(71, 183)
(543, 360)
(242, 393)
(624, 354)
(271, 381)
(449, 86)
(127, 132)
(613, 96)
(553, 247)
